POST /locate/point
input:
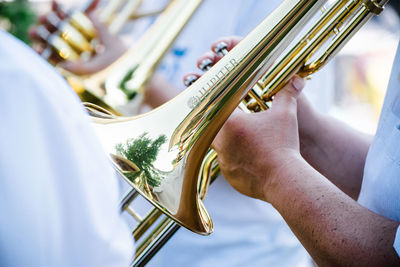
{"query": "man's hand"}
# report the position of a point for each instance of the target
(259, 154)
(253, 147)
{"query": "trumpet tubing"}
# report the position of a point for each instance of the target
(160, 154)
(170, 179)
(120, 82)
(334, 29)
(118, 21)
(329, 34)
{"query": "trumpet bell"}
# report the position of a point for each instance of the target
(164, 172)
(161, 153)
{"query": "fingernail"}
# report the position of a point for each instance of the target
(298, 83)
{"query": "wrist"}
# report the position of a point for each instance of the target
(287, 166)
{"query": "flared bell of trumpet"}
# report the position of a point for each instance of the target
(144, 153)
(160, 153)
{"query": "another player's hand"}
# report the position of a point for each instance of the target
(112, 49)
(45, 26)
(111, 46)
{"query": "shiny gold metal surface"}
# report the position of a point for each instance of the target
(337, 24)
(160, 153)
(181, 130)
(62, 48)
(117, 12)
(131, 73)
(123, 80)
(83, 24)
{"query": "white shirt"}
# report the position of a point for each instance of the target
(58, 194)
(380, 190)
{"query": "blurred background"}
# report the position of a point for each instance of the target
(361, 70)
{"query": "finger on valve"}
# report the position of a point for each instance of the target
(225, 44)
(190, 78)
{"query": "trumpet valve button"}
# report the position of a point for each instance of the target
(206, 64)
(253, 106)
(46, 53)
(53, 20)
(221, 49)
(43, 33)
(189, 80)
(266, 97)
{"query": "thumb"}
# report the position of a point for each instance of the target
(287, 96)
(232, 127)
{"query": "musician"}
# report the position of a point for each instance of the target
(58, 196)
(338, 189)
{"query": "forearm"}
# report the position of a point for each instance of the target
(334, 229)
(336, 150)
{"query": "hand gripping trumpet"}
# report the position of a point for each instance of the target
(120, 82)
(328, 35)
(76, 37)
(180, 132)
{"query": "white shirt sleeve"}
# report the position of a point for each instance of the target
(396, 243)
(58, 193)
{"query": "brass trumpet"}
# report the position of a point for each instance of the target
(175, 177)
(116, 85)
(328, 35)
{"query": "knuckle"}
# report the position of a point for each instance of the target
(234, 125)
